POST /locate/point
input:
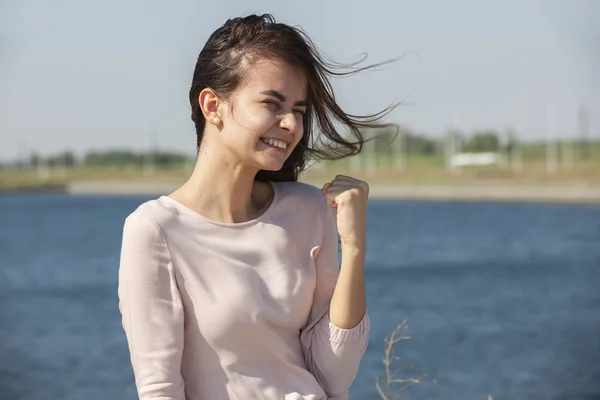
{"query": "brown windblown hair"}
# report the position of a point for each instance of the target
(222, 64)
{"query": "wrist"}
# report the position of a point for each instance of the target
(354, 246)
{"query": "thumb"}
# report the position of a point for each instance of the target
(330, 201)
(330, 198)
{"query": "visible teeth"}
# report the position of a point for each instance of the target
(276, 143)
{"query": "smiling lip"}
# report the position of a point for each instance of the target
(275, 143)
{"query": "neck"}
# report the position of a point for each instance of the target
(220, 189)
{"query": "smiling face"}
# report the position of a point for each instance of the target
(262, 121)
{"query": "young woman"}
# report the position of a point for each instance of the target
(230, 287)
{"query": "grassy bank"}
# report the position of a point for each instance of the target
(382, 171)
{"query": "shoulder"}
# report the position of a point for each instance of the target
(300, 190)
(302, 195)
(149, 220)
(145, 252)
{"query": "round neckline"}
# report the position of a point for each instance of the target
(253, 221)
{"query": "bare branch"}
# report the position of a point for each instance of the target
(388, 392)
(378, 386)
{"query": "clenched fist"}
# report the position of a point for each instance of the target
(348, 198)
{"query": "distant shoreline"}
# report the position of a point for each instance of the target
(469, 192)
(33, 189)
(460, 192)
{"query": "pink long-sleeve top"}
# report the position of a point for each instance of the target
(219, 311)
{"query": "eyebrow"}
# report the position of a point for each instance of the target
(281, 97)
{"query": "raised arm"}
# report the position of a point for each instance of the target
(336, 336)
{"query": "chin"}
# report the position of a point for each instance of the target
(273, 167)
(271, 162)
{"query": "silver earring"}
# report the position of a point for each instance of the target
(216, 120)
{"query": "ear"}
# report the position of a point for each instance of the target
(211, 105)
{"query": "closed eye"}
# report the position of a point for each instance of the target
(272, 103)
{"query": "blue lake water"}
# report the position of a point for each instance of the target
(501, 299)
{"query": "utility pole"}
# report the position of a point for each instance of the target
(399, 152)
(551, 153)
(453, 144)
(584, 131)
(148, 159)
(565, 146)
(515, 157)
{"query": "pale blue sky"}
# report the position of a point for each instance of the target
(97, 74)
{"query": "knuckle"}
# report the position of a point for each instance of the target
(354, 192)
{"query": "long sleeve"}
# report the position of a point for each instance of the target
(151, 309)
(332, 354)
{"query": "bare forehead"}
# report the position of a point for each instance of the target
(264, 75)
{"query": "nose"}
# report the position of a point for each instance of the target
(289, 122)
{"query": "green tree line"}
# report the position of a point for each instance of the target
(387, 140)
(115, 158)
